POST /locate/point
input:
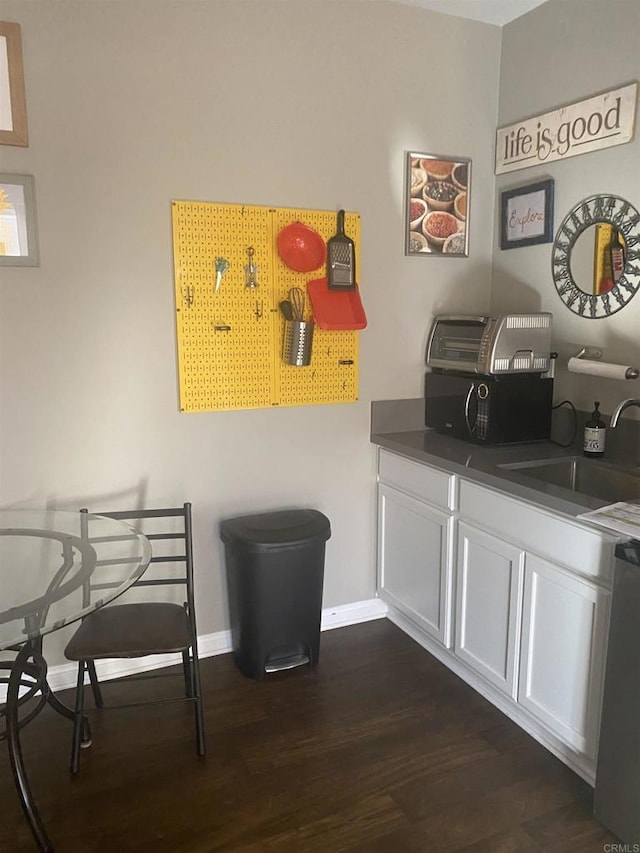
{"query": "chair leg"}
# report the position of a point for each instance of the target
(188, 679)
(197, 695)
(95, 684)
(78, 719)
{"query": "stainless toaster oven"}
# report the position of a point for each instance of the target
(491, 344)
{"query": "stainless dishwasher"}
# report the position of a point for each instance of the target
(617, 790)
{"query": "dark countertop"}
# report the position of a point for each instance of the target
(480, 464)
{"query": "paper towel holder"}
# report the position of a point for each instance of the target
(595, 354)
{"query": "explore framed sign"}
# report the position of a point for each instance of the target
(526, 215)
(590, 125)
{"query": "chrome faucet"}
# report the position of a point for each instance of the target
(619, 409)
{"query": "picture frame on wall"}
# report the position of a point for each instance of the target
(13, 108)
(436, 204)
(18, 226)
(526, 215)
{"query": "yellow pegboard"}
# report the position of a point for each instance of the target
(230, 341)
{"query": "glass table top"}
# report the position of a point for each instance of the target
(56, 566)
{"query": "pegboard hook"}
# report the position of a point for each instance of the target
(189, 295)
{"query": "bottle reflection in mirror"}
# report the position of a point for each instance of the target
(615, 251)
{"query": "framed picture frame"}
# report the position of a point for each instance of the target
(436, 205)
(526, 215)
(18, 226)
(13, 108)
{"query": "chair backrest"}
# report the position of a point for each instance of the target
(170, 534)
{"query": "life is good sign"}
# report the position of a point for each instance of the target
(599, 122)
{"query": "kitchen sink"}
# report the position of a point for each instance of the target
(585, 476)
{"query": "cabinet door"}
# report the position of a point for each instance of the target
(414, 560)
(488, 596)
(563, 653)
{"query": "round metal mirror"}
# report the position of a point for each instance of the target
(596, 256)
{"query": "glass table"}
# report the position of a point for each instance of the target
(55, 568)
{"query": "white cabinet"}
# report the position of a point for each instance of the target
(511, 596)
(415, 543)
(489, 578)
(563, 653)
(414, 563)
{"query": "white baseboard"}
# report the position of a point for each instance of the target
(353, 614)
(64, 676)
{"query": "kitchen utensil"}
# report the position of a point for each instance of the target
(341, 259)
(334, 309)
(297, 300)
(301, 248)
(250, 270)
(222, 264)
(287, 309)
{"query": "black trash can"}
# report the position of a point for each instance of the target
(275, 573)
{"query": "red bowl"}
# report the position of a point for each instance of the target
(301, 248)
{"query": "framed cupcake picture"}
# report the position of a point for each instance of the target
(437, 205)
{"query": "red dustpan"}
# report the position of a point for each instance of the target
(336, 309)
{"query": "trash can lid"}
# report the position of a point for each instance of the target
(276, 529)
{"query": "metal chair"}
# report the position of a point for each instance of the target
(142, 628)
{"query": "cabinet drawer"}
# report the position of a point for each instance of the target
(560, 540)
(435, 486)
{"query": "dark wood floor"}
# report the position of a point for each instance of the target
(381, 750)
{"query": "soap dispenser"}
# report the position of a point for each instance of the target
(595, 433)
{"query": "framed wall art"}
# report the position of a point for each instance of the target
(18, 229)
(13, 110)
(437, 205)
(526, 215)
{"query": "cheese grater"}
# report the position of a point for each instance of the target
(341, 259)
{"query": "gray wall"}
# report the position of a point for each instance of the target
(564, 51)
(292, 104)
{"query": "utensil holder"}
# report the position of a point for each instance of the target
(297, 344)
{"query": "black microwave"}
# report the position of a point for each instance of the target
(509, 409)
